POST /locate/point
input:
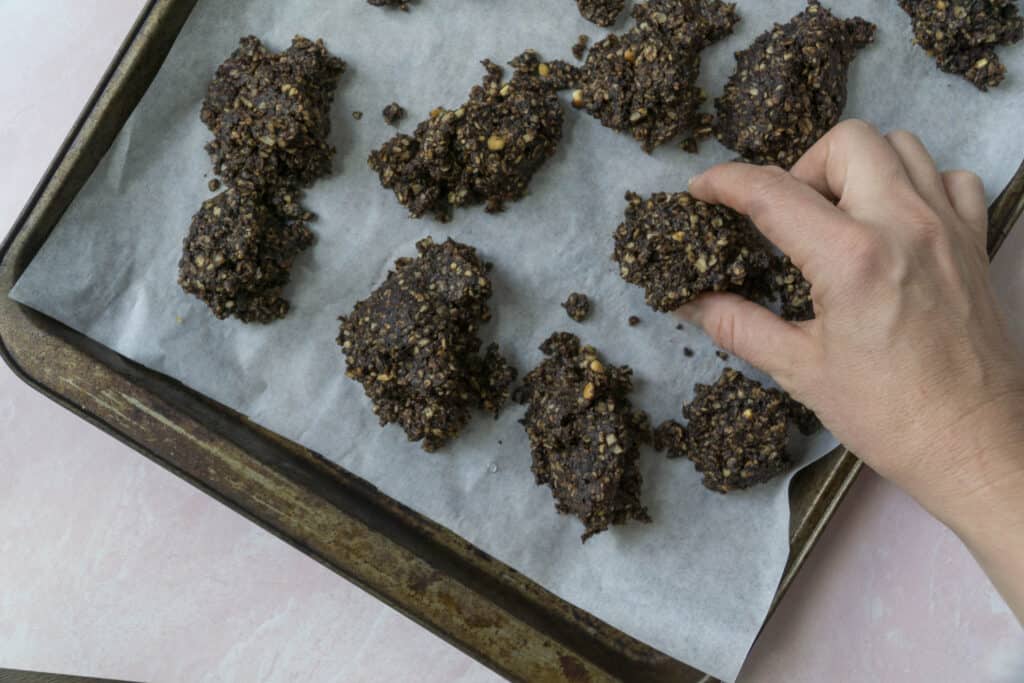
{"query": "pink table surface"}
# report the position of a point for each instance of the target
(110, 566)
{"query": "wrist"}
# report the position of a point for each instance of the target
(976, 464)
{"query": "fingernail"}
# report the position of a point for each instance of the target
(694, 179)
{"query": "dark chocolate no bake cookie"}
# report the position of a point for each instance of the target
(737, 432)
(397, 4)
(413, 344)
(789, 87)
(238, 252)
(962, 35)
(644, 81)
(585, 435)
(677, 247)
(485, 150)
(793, 290)
(269, 113)
(601, 12)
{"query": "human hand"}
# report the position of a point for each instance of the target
(907, 361)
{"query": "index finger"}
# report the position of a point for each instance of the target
(791, 214)
(854, 165)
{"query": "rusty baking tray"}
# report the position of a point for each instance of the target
(474, 602)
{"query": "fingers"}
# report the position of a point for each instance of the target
(751, 332)
(792, 215)
(920, 167)
(966, 193)
(855, 166)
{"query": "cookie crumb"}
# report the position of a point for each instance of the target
(688, 352)
(357, 115)
(722, 354)
(213, 185)
(577, 306)
(670, 436)
(393, 113)
(633, 321)
(580, 47)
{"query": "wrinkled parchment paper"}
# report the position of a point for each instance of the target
(697, 582)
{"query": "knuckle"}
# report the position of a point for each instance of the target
(851, 128)
(900, 135)
(865, 257)
(922, 225)
(961, 177)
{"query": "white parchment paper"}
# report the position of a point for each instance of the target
(697, 582)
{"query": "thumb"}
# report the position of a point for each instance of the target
(751, 332)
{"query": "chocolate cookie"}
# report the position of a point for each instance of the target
(695, 24)
(585, 435)
(397, 4)
(270, 114)
(793, 290)
(789, 87)
(962, 36)
(486, 150)
(238, 252)
(737, 432)
(644, 81)
(601, 12)
(413, 344)
(677, 247)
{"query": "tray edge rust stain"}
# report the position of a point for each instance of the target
(481, 606)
